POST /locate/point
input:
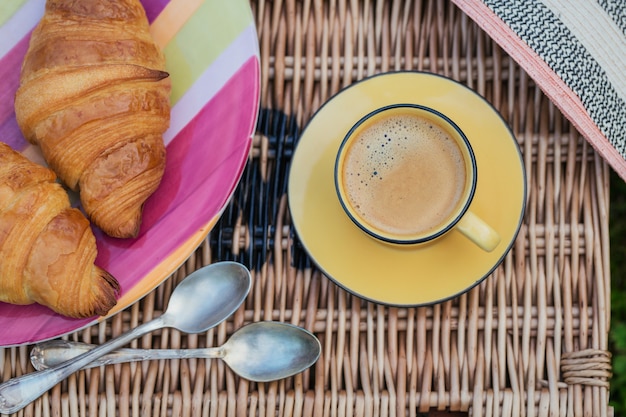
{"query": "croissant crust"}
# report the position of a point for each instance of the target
(94, 95)
(47, 248)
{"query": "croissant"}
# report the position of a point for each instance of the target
(47, 248)
(94, 95)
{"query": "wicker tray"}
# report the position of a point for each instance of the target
(530, 340)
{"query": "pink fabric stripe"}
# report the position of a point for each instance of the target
(550, 83)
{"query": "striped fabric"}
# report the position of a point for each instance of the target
(576, 52)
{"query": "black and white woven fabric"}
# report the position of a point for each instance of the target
(575, 50)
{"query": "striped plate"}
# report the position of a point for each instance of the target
(213, 59)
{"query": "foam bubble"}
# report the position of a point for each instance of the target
(404, 174)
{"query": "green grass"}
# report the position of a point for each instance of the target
(617, 334)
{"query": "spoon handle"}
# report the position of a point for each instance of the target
(55, 352)
(18, 392)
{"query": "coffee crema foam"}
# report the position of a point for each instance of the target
(404, 174)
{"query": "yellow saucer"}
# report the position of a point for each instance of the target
(405, 275)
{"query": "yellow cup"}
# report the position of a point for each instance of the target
(406, 174)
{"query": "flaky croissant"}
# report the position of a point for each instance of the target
(94, 95)
(47, 248)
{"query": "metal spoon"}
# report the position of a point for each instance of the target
(202, 300)
(261, 352)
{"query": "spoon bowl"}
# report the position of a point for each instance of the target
(199, 303)
(261, 352)
(202, 300)
(267, 351)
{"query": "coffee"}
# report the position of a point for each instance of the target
(403, 173)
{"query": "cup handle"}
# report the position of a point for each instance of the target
(479, 232)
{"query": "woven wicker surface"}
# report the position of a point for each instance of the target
(529, 340)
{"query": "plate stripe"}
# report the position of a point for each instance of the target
(19, 25)
(171, 18)
(210, 82)
(8, 9)
(10, 76)
(154, 7)
(189, 54)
